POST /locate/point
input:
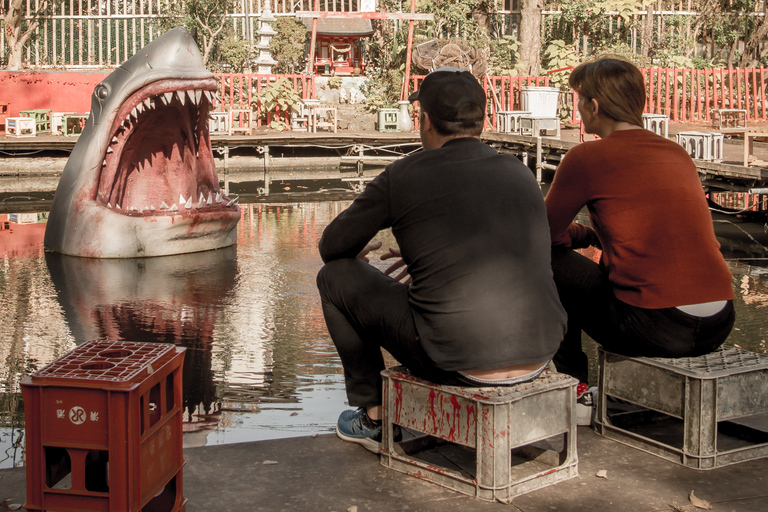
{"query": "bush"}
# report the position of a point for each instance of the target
(288, 45)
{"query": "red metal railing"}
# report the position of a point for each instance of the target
(503, 92)
(242, 91)
(685, 95)
(689, 95)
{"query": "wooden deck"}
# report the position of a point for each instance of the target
(378, 148)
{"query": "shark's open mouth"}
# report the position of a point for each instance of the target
(159, 160)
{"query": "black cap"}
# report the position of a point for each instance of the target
(451, 94)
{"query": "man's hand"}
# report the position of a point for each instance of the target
(403, 274)
(371, 246)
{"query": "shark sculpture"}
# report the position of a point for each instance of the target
(141, 180)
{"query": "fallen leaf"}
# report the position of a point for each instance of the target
(677, 508)
(269, 462)
(10, 506)
(698, 502)
(603, 473)
(353, 508)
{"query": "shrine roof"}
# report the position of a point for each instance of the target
(341, 27)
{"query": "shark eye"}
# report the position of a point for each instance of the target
(102, 91)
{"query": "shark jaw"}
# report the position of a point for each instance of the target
(159, 160)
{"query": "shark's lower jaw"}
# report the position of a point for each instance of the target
(158, 161)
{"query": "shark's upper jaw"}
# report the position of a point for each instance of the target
(158, 161)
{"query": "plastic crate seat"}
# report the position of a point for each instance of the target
(702, 412)
(508, 121)
(657, 123)
(20, 127)
(103, 429)
(493, 443)
(42, 118)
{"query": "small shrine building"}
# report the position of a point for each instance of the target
(339, 45)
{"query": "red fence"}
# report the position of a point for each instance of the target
(503, 92)
(689, 95)
(685, 95)
(242, 91)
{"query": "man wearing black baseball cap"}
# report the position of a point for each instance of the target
(475, 304)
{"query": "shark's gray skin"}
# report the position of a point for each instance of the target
(141, 180)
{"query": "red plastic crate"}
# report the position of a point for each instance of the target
(103, 429)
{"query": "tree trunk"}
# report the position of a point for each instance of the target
(14, 38)
(732, 52)
(646, 36)
(751, 56)
(12, 29)
(530, 36)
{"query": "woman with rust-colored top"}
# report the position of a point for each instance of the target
(662, 288)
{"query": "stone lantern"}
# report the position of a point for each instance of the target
(265, 60)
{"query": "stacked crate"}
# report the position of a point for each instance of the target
(103, 426)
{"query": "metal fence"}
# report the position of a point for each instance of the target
(105, 33)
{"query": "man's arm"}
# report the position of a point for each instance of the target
(349, 233)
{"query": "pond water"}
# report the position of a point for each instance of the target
(259, 362)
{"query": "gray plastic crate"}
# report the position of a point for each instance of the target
(702, 412)
(492, 443)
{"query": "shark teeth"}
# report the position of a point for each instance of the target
(206, 200)
(195, 96)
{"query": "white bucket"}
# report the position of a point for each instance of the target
(539, 101)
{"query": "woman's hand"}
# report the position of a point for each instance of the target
(403, 275)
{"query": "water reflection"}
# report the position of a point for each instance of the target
(259, 363)
(172, 299)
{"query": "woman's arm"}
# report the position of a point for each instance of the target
(567, 195)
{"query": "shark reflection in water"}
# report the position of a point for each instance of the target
(172, 299)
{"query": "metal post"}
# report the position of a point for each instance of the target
(538, 159)
(407, 77)
(264, 150)
(311, 64)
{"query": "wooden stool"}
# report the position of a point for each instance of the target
(694, 411)
(515, 439)
(749, 135)
(240, 121)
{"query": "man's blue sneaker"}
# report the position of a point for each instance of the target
(356, 427)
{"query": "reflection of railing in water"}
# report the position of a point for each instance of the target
(741, 201)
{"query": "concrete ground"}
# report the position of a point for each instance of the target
(322, 473)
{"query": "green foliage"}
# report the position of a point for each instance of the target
(288, 45)
(381, 89)
(277, 98)
(589, 18)
(204, 19)
(502, 57)
(450, 15)
(559, 55)
(334, 82)
(624, 52)
(234, 54)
